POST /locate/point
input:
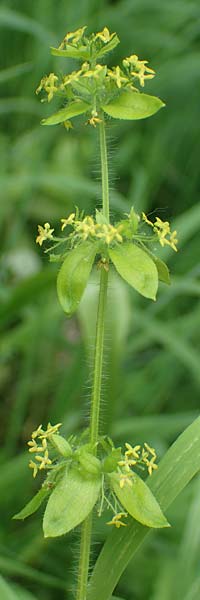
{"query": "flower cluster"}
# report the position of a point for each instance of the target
(137, 69)
(86, 227)
(82, 230)
(43, 461)
(135, 456)
(163, 232)
(93, 82)
(77, 38)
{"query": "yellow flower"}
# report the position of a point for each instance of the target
(34, 447)
(150, 449)
(96, 72)
(68, 221)
(51, 429)
(162, 229)
(68, 125)
(126, 478)
(132, 452)
(37, 432)
(116, 520)
(74, 76)
(152, 466)
(33, 466)
(127, 463)
(45, 233)
(173, 240)
(144, 217)
(105, 35)
(86, 227)
(116, 74)
(43, 460)
(48, 84)
(73, 37)
(94, 119)
(141, 71)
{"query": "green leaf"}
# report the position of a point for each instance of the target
(136, 267)
(61, 445)
(70, 503)
(111, 461)
(162, 268)
(133, 105)
(33, 505)
(139, 501)
(109, 46)
(81, 53)
(73, 109)
(176, 469)
(74, 274)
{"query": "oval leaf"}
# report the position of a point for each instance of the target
(133, 105)
(73, 275)
(71, 110)
(70, 503)
(136, 267)
(139, 501)
(33, 505)
(61, 445)
(71, 52)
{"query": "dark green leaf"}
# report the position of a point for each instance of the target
(136, 267)
(70, 503)
(73, 275)
(162, 268)
(33, 505)
(133, 105)
(139, 501)
(71, 110)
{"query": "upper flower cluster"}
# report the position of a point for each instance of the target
(84, 228)
(93, 82)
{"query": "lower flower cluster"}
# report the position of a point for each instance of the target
(131, 227)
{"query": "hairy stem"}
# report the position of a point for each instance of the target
(97, 380)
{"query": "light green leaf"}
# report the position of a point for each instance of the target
(176, 469)
(81, 53)
(109, 46)
(133, 105)
(139, 501)
(61, 445)
(33, 505)
(136, 267)
(74, 274)
(70, 503)
(71, 110)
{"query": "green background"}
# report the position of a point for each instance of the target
(152, 374)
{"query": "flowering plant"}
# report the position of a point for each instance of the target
(88, 470)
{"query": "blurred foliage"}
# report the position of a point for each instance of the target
(152, 376)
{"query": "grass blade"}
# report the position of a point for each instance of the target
(180, 464)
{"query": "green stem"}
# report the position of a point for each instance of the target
(97, 381)
(104, 170)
